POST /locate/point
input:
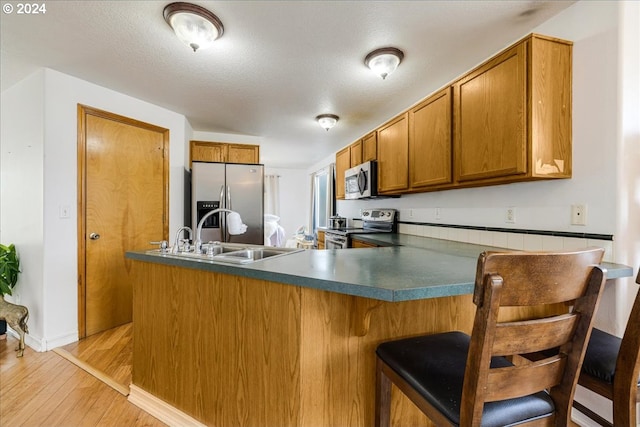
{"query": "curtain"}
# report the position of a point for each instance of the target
(272, 194)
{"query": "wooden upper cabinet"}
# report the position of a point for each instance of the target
(343, 162)
(204, 151)
(512, 115)
(393, 155)
(355, 150)
(207, 152)
(243, 153)
(369, 147)
(430, 141)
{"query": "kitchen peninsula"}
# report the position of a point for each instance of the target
(290, 341)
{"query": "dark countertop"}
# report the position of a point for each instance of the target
(409, 268)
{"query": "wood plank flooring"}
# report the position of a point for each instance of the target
(44, 389)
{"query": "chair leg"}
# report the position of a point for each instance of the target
(383, 397)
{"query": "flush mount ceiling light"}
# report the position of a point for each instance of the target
(194, 25)
(384, 61)
(327, 121)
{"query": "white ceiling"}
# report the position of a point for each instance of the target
(277, 66)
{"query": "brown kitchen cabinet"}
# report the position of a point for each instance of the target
(360, 244)
(223, 152)
(355, 151)
(369, 147)
(512, 115)
(343, 162)
(320, 239)
(430, 141)
(393, 155)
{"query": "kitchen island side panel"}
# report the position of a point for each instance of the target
(340, 335)
(220, 348)
(237, 351)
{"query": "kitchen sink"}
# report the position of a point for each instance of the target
(234, 253)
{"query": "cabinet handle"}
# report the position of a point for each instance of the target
(94, 236)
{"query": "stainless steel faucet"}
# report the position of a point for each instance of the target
(174, 248)
(198, 242)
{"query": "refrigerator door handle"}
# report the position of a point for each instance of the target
(228, 236)
(222, 216)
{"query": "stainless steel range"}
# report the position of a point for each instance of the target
(373, 221)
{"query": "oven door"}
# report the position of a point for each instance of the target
(335, 241)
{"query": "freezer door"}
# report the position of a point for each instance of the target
(245, 195)
(207, 182)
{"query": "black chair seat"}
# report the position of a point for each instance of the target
(601, 356)
(434, 365)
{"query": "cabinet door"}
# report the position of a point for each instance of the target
(208, 152)
(320, 239)
(360, 244)
(243, 153)
(369, 147)
(393, 155)
(490, 118)
(343, 162)
(355, 150)
(430, 141)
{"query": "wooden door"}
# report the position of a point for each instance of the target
(393, 155)
(430, 141)
(242, 153)
(343, 162)
(369, 147)
(490, 118)
(123, 179)
(207, 152)
(356, 153)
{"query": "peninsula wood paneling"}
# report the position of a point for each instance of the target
(235, 351)
(220, 348)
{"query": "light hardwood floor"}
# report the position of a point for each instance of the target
(44, 389)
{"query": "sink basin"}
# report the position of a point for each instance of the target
(235, 253)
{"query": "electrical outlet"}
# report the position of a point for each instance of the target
(578, 214)
(510, 215)
(438, 213)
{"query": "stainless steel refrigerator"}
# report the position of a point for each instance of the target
(238, 187)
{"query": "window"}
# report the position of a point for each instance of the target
(322, 197)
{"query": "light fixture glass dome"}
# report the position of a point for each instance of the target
(384, 61)
(327, 121)
(195, 26)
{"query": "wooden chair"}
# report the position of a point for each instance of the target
(611, 368)
(457, 379)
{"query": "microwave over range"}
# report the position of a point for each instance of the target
(361, 182)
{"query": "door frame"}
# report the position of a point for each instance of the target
(83, 112)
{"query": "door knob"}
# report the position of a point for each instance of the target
(94, 236)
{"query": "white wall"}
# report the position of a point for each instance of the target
(294, 198)
(22, 189)
(54, 321)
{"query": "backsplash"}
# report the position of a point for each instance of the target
(528, 240)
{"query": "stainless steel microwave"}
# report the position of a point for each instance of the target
(361, 182)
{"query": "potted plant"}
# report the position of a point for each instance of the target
(9, 271)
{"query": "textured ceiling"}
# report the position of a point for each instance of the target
(278, 65)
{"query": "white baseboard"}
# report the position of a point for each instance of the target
(161, 409)
(42, 344)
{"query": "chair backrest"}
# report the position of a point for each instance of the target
(531, 279)
(625, 384)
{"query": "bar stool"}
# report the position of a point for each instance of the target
(457, 379)
(611, 368)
